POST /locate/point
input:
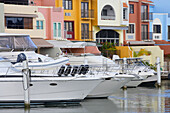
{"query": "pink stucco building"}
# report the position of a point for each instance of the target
(50, 18)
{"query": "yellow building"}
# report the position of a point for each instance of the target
(78, 16)
(95, 20)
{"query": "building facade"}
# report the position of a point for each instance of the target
(95, 20)
(138, 32)
(78, 16)
(111, 18)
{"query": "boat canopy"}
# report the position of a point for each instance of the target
(16, 42)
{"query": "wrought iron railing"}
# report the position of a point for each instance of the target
(147, 35)
(87, 35)
(87, 13)
(146, 16)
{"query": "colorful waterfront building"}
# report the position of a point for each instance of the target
(160, 26)
(139, 18)
(51, 17)
(139, 37)
(39, 19)
(95, 20)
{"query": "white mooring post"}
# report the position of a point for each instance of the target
(158, 73)
(26, 79)
(124, 65)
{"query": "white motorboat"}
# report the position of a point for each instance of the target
(139, 68)
(44, 87)
(133, 66)
(47, 89)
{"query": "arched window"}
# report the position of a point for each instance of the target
(110, 36)
(108, 13)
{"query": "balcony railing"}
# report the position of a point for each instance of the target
(87, 35)
(147, 36)
(68, 34)
(108, 17)
(146, 16)
(87, 13)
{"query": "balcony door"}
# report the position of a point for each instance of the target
(144, 32)
(69, 29)
(84, 31)
(84, 9)
(144, 12)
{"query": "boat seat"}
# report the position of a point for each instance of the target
(85, 70)
(61, 70)
(74, 71)
(68, 70)
(80, 70)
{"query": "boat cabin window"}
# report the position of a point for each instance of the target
(18, 43)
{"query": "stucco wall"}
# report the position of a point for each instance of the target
(2, 27)
(116, 4)
(19, 9)
(51, 16)
(155, 52)
(160, 19)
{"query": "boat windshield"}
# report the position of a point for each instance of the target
(16, 43)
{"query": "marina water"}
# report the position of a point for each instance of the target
(132, 100)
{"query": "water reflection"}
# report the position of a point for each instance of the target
(144, 99)
(151, 100)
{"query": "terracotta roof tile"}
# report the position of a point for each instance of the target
(125, 5)
(166, 49)
(161, 42)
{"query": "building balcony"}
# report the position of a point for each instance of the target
(68, 34)
(147, 36)
(87, 35)
(87, 14)
(146, 17)
(108, 17)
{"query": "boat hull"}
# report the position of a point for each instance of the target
(46, 89)
(108, 87)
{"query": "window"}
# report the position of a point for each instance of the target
(145, 33)
(55, 29)
(156, 28)
(84, 31)
(108, 13)
(131, 10)
(68, 26)
(67, 4)
(130, 28)
(59, 29)
(16, 2)
(144, 12)
(125, 13)
(69, 29)
(18, 23)
(39, 24)
(84, 9)
(168, 32)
